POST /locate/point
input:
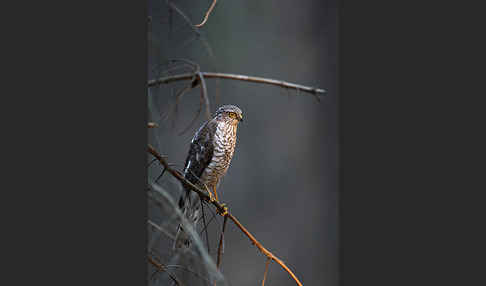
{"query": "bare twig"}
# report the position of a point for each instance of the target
(284, 84)
(266, 271)
(151, 162)
(190, 271)
(204, 94)
(263, 249)
(205, 43)
(207, 14)
(201, 102)
(173, 109)
(160, 229)
(204, 223)
(221, 239)
(210, 220)
(188, 21)
(160, 176)
(194, 65)
(162, 268)
(222, 210)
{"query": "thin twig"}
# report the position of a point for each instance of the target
(222, 210)
(174, 107)
(263, 249)
(194, 65)
(204, 94)
(188, 21)
(221, 238)
(160, 176)
(190, 271)
(168, 79)
(209, 221)
(205, 43)
(207, 14)
(201, 101)
(162, 268)
(204, 223)
(266, 270)
(161, 229)
(151, 162)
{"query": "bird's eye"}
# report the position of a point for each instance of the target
(232, 115)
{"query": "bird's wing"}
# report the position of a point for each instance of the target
(200, 152)
(199, 156)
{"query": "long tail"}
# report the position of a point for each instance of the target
(183, 239)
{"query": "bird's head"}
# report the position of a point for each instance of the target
(230, 113)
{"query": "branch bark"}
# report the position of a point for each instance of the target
(221, 239)
(207, 14)
(281, 83)
(161, 268)
(221, 210)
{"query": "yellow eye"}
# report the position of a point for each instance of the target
(233, 115)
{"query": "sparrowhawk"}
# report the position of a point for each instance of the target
(208, 160)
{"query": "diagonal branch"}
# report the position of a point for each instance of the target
(161, 268)
(281, 83)
(207, 14)
(222, 210)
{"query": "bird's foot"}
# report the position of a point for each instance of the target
(225, 210)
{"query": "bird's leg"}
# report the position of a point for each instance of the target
(211, 197)
(215, 193)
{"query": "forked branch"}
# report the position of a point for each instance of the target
(221, 210)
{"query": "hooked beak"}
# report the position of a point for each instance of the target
(241, 118)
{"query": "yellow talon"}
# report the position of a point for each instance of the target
(225, 208)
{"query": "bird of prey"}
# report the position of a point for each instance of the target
(208, 160)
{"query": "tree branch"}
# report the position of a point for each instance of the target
(266, 271)
(284, 84)
(221, 238)
(161, 268)
(207, 14)
(222, 210)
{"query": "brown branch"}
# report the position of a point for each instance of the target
(263, 249)
(221, 238)
(284, 84)
(207, 14)
(222, 210)
(266, 271)
(161, 268)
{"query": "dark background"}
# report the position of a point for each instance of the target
(282, 183)
(411, 124)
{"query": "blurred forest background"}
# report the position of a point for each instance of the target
(282, 182)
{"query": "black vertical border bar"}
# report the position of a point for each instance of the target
(411, 75)
(81, 147)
